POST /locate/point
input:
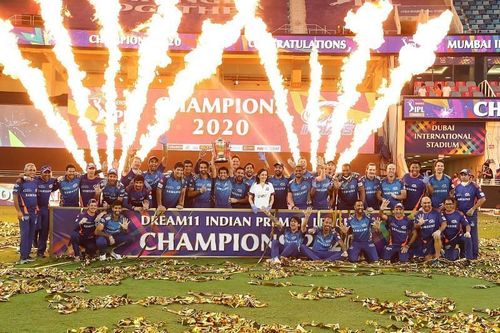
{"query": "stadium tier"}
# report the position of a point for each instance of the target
(479, 16)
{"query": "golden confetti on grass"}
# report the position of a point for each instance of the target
(136, 325)
(318, 293)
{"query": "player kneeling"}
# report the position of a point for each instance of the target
(400, 228)
(425, 242)
(456, 242)
(84, 234)
(293, 236)
(360, 226)
(325, 238)
(112, 232)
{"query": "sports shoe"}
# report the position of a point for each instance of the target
(30, 259)
(116, 255)
(102, 257)
(23, 261)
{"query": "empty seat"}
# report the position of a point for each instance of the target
(493, 83)
(466, 94)
(463, 88)
(473, 88)
(429, 83)
(460, 83)
(477, 94)
(455, 94)
(470, 83)
(451, 83)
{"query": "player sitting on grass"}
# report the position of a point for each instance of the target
(112, 232)
(400, 228)
(84, 233)
(293, 236)
(360, 226)
(325, 239)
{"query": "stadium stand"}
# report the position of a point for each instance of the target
(479, 16)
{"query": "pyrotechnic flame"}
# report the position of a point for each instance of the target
(256, 32)
(412, 60)
(162, 29)
(367, 24)
(201, 63)
(51, 13)
(34, 82)
(313, 109)
(107, 13)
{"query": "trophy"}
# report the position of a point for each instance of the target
(221, 150)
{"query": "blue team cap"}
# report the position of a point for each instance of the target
(400, 205)
(45, 168)
(112, 171)
(154, 158)
(466, 171)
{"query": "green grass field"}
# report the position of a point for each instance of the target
(31, 313)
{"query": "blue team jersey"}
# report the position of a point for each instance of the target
(27, 191)
(324, 242)
(467, 195)
(440, 189)
(432, 221)
(111, 226)
(455, 224)
(371, 187)
(239, 191)
(305, 176)
(153, 178)
(361, 229)
(387, 188)
(322, 189)
(134, 198)
(70, 192)
(171, 190)
(203, 199)
(348, 191)
(400, 230)
(129, 177)
(280, 186)
(222, 193)
(87, 190)
(249, 181)
(300, 192)
(292, 238)
(189, 183)
(415, 189)
(45, 188)
(111, 193)
(85, 225)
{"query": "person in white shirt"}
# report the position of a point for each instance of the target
(261, 193)
(422, 91)
(446, 90)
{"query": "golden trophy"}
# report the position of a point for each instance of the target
(221, 150)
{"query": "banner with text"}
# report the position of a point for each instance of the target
(210, 233)
(436, 138)
(297, 44)
(246, 119)
(483, 109)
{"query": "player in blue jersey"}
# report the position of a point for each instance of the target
(292, 237)
(299, 190)
(171, 189)
(425, 242)
(153, 176)
(439, 185)
(239, 189)
(321, 188)
(455, 232)
(137, 196)
(110, 190)
(325, 240)
(348, 188)
(188, 177)
(391, 188)
(280, 185)
(306, 174)
(88, 184)
(371, 184)
(249, 174)
(469, 198)
(414, 186)
(25, 195)
(84, 233)
(134, 169)
(46, 185)
(360, 226)
(222, 185)
(400, 228)
(112, 232)
(201, 188)
(69, 187)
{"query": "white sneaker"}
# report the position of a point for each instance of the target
(102, 257)
(23, 261)
(116, 255)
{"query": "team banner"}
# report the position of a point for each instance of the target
(209, 233)
(482, 109)
(436, 138)
(295, 43)
(246, 119)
